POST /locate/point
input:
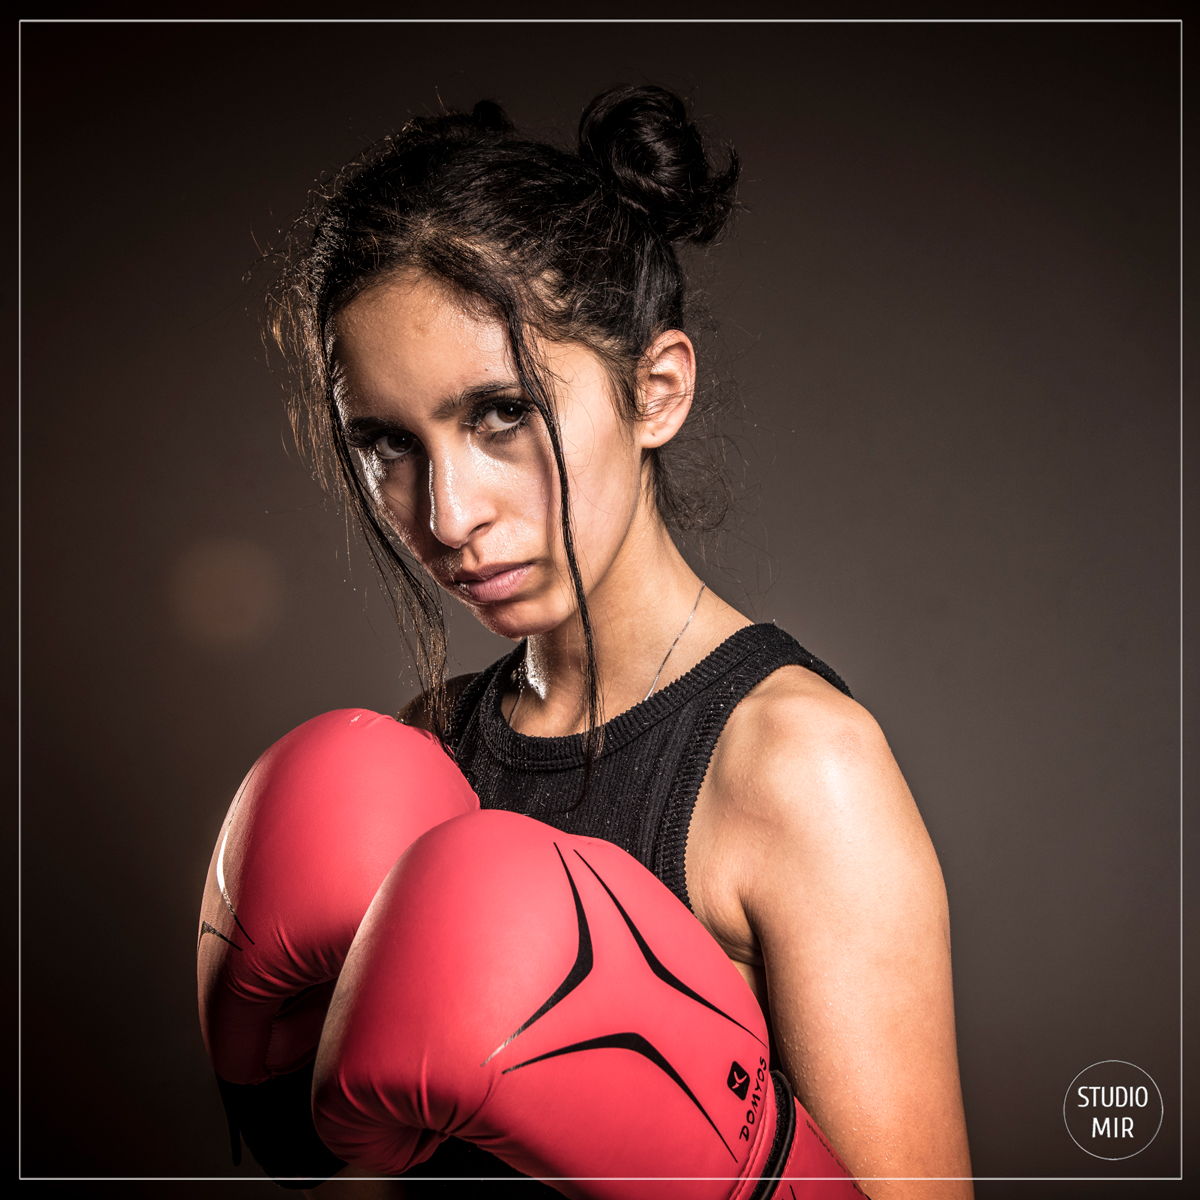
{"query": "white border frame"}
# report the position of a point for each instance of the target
(577, 21)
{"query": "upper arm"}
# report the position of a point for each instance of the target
(415, 712)
(828, 859)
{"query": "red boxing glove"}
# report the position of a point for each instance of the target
(313, 830)
(545, 997)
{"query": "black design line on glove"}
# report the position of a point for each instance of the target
(205, 927)
(575, 976)
(657, 967)
(639, 1045)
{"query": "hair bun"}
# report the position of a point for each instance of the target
(641, 141)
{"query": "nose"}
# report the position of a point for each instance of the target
(459, 503)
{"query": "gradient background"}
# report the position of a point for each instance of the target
(952, 308)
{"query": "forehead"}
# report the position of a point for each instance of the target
(412, 336)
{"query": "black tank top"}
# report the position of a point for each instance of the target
(642, 792)
(655, 755)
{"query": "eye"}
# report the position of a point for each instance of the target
(504, 417)
(393, 445)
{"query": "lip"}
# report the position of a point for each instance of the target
(492, 583)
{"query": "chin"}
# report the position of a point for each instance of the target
(516, 619)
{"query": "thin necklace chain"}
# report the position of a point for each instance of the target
(522, 672)
(676, 641)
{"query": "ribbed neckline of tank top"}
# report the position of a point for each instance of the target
(558, 753)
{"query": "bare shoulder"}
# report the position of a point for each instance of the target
(799, 703)
(415, 712)
(796, 736)
(802, 785)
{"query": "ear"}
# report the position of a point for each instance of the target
(666, 381)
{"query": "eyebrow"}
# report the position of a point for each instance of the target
(472, 396)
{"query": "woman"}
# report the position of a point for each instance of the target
(497, 377)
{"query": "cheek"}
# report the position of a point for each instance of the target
(396, 497)
(605, 474)
(524, 492)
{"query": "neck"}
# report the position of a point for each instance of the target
(637, 610)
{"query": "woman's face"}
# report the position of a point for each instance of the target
(460, 460)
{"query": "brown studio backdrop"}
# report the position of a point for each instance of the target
(951, 306)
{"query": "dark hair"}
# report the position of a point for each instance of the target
(561, 245)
